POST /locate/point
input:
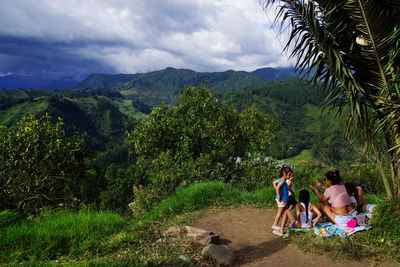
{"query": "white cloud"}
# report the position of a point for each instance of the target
(144, 35)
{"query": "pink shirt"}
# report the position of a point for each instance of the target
(337, 195)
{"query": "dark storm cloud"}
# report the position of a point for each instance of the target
(32, 56)
(77, 37)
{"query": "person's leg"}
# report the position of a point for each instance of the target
(292, 219)
(284, 219)
(278, 216)
(326, 210)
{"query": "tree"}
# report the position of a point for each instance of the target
(353, 47)
(40, 166)
(200, 138)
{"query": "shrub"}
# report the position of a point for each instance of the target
(119, 189)
(40, 166)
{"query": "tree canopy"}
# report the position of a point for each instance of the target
(201, 138)
(353, 47)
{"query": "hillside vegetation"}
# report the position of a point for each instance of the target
(85, 152)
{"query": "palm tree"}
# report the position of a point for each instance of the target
(353, 47)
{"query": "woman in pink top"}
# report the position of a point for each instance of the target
(335, 202)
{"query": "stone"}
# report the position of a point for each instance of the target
(200, 236)
(172, 231)
(220, 254)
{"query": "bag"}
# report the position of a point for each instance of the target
(362, 219)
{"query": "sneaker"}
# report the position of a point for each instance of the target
(276, 227)
(277, 232)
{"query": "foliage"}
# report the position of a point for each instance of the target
(303, 123)
(119, 189)
(198, 139)
(353, 47)
(41, 166)
(254, 173)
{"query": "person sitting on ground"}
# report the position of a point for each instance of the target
(305, 212)
(335, 202)
(361, 204)
(351, 188)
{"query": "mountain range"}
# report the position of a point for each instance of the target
(113, 80)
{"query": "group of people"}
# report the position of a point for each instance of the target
(338, 202)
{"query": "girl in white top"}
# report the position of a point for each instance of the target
(305, 212)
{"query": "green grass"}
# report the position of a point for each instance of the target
(305, 155)
(73, 235)
(203, 195)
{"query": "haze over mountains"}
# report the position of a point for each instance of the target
(113, 80)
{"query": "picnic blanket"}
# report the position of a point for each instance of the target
(329, 229)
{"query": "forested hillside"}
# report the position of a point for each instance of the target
(100, 112)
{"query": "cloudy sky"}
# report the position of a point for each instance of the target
(73, 38)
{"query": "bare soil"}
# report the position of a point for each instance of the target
(247, 232)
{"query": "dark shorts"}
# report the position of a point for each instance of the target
(292, 201)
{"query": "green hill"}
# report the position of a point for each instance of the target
(100, 112)
(156, 87)
(298, 110)
(97, 113)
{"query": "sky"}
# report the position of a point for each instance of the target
(69, 39)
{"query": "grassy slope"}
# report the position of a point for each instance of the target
(10, 116)
(104, 238)
(96, 237)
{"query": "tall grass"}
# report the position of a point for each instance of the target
(74, 235)
(202, 195)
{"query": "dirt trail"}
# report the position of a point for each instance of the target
(247, 232)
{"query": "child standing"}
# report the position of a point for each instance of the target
(305, 212)
(292, 200)
(282, 194)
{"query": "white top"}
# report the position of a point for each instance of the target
(291, 187)
(353, 199)
(303, 217)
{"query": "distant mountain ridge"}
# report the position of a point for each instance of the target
(275, 73)
(178, 78)
(170, 76)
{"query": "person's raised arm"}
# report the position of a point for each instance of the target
(275, 183)
(318, 184)
(322, 198)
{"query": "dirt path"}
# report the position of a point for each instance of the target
(247, 232)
